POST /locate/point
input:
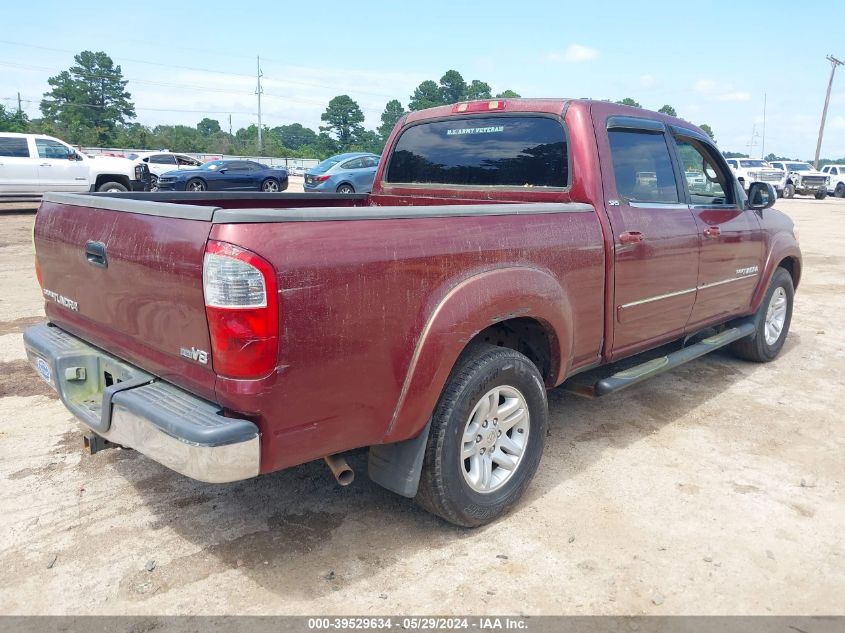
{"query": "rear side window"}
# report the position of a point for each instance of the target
(642, 166)
(13, 147)
(163, 159)
(492, 151)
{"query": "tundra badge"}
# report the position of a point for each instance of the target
(199, 355)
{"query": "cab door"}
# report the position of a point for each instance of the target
(59, 168)
(18, 171)
(731, 241)
(655, 237)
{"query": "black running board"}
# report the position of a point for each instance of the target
(634, 375)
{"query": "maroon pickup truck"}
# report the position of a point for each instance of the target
(508, 247)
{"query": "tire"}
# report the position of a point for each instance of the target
(446, 484)
(839, 192)
(271, 185)
(763, 346)
(153, 182)
(112, 186)
(196, 184)
(789, 191)
(821, 195)
(346, 188)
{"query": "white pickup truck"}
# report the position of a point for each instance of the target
(748, 170)
(802, 178)
(836, 185)
(35, 163)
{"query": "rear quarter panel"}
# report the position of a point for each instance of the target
(356, 296)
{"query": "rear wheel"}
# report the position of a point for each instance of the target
(789, 191)
(271, 185)
(487, 436)
(196, 185)
(839, 192)
(345, 189)
(772, 321)
(112, 186)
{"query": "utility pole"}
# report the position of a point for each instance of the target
(753, 142)
(19, 103)
(230, 125)
(258, 91)
(833, 64)
(763, 149)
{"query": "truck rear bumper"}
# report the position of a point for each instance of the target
(130, 407)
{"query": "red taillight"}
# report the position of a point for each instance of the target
(242, 307)
(479, 106)
(38, 273)
(321, 178)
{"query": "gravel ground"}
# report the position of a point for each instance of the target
(714, 489)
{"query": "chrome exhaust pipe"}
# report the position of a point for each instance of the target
(340, 469)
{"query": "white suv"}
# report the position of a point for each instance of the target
(164, 161)
(802, 178)
(836, 185)
(34, 163)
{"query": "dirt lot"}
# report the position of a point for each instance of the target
(715, 489)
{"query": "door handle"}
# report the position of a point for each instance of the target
(45, 165)
(631, 237)
(712, 231)
(95, 253)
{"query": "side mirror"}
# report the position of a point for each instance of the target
(222, 170)
(761, 195)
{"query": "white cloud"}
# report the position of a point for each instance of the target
(733, 96)
(838, 123)
(648, 81)
(574, 53)
(719, 91)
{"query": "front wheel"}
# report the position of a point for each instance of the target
(195, 185)
(839, 192)
(345, 189)
(487, 436)
(771, 320)
(789, 191)
(821, 195)
(271, 185)
(112, 187)
(153, 182)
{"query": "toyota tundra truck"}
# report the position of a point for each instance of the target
(508, 247)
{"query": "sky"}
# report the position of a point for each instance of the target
(713, 61)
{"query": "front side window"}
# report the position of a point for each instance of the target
(706, 179)
(51, 149)
(509, 151)
(187, 161)
(642, 166)
(13, 147)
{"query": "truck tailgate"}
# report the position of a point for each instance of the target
(129, 283)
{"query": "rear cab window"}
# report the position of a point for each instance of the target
(498, 151)
(14, 147)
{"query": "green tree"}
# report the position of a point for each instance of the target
(478, 90)
(736, 155)
(89, 100)
(16, 121)
(708, 131)
(629, 102)
(426, 95)
(393, 111)
(453, 88)
(343, 118)
(508, 94)
(208, 127)
(294, 135)
(368, 141)
(667, 109)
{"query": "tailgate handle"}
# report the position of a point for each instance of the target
(95, 252)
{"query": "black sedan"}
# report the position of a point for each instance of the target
(226, 175)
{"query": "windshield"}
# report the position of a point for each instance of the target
(326, 165)
(753, 163)
(212, 165)
(798, 167)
